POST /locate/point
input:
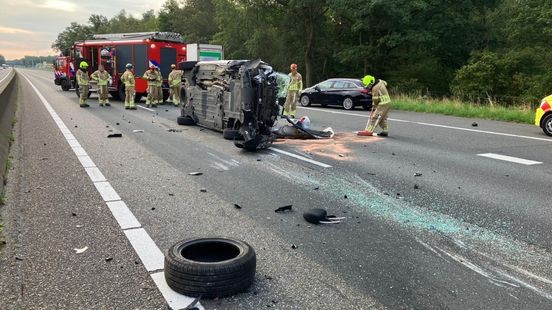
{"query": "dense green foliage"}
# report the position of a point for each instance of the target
(485, 51)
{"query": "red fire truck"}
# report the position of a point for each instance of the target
(142, 50)
(64, 72)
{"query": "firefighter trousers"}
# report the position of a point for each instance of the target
(175, 94)
(83, 93)
(290, 107)
(379, 118)
(103, 95)
(129, 98)
(152, 96)
(159, 94)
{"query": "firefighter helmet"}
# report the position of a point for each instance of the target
(128, 66)
(368, 80)
(83, 65)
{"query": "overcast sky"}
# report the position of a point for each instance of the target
(28, 27)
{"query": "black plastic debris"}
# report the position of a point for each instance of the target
(171, 194)
(115, 135)
(152, 208)
(416, 186)
(195, 173)
(73, 214)
(293, 246)
(174, 130)
(316, 188)
(346, 197)
(417, 174)
(203, 190)
(108, 259)
(320, 216)
(117, 124)
(284, 209)
(474, 124)
(237, 206)
(76, 126)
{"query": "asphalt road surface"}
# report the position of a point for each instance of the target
(440, 215)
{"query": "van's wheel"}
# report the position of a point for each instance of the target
(137, 98)
(210, 267)
(547, 125)
(185, 121)
(114, 95)
(231, 134)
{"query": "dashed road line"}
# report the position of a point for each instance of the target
(321, 164)
(516, 160)
(152, 257)
(440, 126)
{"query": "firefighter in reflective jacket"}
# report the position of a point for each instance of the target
(102, 77)
(158, 86)
(294, 90)
(151, 77)
(83, 82)
(128, 79)
(382, 102)
(175, 79)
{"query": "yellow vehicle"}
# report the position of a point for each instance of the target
(543, 115)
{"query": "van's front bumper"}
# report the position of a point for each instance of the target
(538, 116)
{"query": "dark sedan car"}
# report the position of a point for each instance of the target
(347, 93)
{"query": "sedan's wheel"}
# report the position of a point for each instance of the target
(348, 103)
(210, 267)
(185, 121)
(547, 125)
(305, 101)
(231, 134)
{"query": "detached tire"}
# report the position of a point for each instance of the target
(210, 267)
(185, 121)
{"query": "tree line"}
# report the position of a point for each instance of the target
(484, 51)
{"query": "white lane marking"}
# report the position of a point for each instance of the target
(175, 300)
(440, 126)
(73, 143)
(106, 190)
(7, 75)
(95, 174)
(323, 165)
(152, 258)
(152, 110)
(516, 160)
(79, 151)
(123, 215)
(86, 161)
(111, 197)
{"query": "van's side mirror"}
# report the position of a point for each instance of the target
(317, 88)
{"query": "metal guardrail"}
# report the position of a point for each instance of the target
(8, 105)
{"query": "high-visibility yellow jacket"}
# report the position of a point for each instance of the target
(380, 95)
(82, 77)
(101, 77)
(152, 77)
(296, 83)
(128, 78)
(175, 77)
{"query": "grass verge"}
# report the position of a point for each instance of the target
(523, 114)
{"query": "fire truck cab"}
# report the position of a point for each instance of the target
(64, 72)
(142, 50)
